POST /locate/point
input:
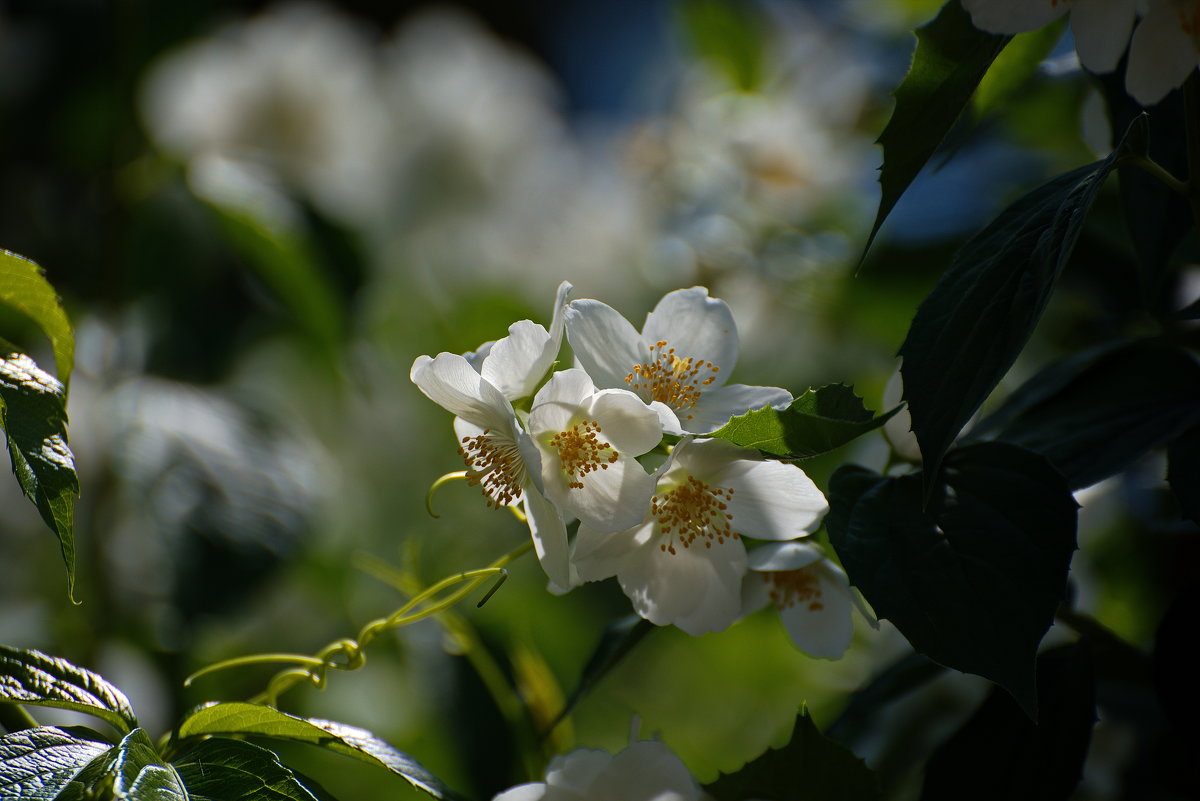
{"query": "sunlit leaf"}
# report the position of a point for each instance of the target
(971, 327)
(254, 720)
(952, 57)
(973, 579)
(999, 753)
(140, 774)
(1015, 67)
(809, 768)
(31, 677)
(24, 288)
(34, 419)
(816, 422)
(38, 764)
(221, 769)
(1120, 406)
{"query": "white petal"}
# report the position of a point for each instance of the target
(667, 418)
(898, 429)
(697, 326)
(597, 555)
(577, 771)
(516, 364)
(476, 357)
(776, 556)
(645, 771)
(558, 321)
(1161, 55)
(696, 588)
(451, 382)
(560, 403)
(613, 498)
(1014, 16)
(772, 500)
(716, 406)
(628, 424)
(523, 792)
(549, 538)
(822, 626)
(1101, 30)
(604, 342)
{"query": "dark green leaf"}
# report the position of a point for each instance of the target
(24, 288)
(221, 769)
(616, 642)
(31, 677)
(973, 579)
(138, 773)
(38, 764)
(728, 35)
(1119, 407)
(1183, 473)
(34, 418)
(999, 753)
(971, 327)
(254, 720)
(952, 57)
(1016, 66)
(816, 422)
(809, 768)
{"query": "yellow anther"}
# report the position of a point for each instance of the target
(582, 451)
(495, 463)
(693, 511)
(674, 380)
(790, 587)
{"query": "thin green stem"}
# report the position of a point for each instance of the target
(435, 486)
(256, 659)
(1159, 173)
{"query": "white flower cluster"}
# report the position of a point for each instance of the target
(618, 443)
(1163, 51)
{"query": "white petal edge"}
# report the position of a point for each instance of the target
(698, 589)
(824, 632)
(697, 326)
(516, 364)
(549, 538)
(626, 423)
(1161, 55)
(716, 406)
(778, 556)
(604, 342)
(1014, 16)
(535, 791)
(772, 500)
(450, 381)
(612, 499)
(1101, 29)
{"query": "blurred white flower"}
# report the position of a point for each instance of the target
(684, 563)
(1101, 27)
(898, 429)
(589, 441)
(812, 594)
(682, 358)
(1165, 49)
(645, 771)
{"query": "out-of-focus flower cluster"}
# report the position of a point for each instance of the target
(619, 444)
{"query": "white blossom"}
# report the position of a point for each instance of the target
(1165, 49)
(1101, 27)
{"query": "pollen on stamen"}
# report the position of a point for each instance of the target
(495, 463)
(693, 511)
(582, 451)
(674, 380)
(791, 587)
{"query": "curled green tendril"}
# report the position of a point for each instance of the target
(436, 485)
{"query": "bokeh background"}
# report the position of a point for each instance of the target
(258, 214)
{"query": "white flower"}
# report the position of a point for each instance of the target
(1165, 49)
(812, 594)
(898, 429)
(682, 358)
(589, 441)
(1101, 27)
(645, 771)
(516, 364)
(684, 562)
(499, 454)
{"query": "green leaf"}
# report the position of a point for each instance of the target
(221, 769)
(31, 677)
(34, 418)
(1120, 406)
(973, 579)
(809, 768)
(971, 327)
(728, 35)
(254, 720)
(951, 58)
(816, 422)
(38, 764)
(24, 287)
(1183, 473)
(1015, 66)
(999, 753)
(138, 773)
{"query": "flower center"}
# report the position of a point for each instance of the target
(495, 462)
(581, 451)
(791, 587)
(693, 511)
(671, 379)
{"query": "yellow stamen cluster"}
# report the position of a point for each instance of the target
(494, 462)
(581, 451)
(674, 380)
(693, 511)
(790, 587)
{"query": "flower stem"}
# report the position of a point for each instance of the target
(1160, 173)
